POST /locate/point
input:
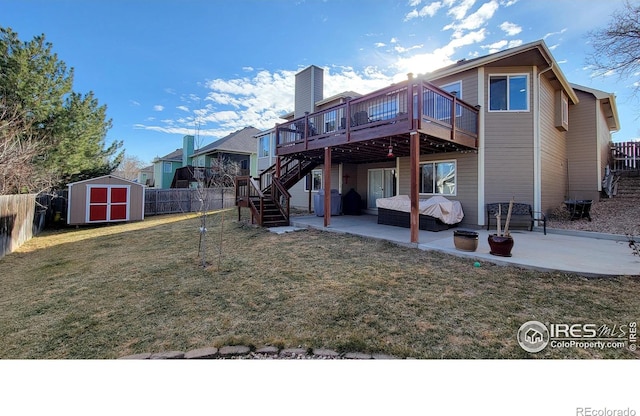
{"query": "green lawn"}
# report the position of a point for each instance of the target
(110, 291)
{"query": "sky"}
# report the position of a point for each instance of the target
(169, 68)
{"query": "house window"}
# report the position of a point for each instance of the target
(509, 93)
(455, 88)
(562, 111)
(330, 121)
(438, 178)
(313, 181)
(385, 109)
(167, 167)
(264, 149)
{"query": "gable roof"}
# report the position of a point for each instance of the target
(608, 101)
(175, 156)
(533, 53)
(103, 177)
(241, 141)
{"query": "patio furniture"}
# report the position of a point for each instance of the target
(435, 214)
(519, 210)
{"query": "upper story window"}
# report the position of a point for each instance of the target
(384, 109)
(509, 92)
(454, 88)
(264, 146)
(166, 167)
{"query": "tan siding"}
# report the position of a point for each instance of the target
(300, 197)
(469, 84)
(508, 148)
(466, 181)
(553, 152)
(78, 199)
(582, 154)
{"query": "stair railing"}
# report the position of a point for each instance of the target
(249, 195)
(281, 198)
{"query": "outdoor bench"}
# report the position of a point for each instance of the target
(519, 210)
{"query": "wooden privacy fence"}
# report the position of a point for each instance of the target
(625, 156)
(16, 221)
(168, 201)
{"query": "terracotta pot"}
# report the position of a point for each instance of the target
(500, 246)
(465, 240)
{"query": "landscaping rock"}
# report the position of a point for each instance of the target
(142, 356)
(268, 350)
(234, 350)
(294, 352)
(321, 352)
(357, 356)
(202, 353)
(167, 355)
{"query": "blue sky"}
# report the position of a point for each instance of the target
(167, 68)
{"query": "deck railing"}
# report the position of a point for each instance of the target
(625, 156)
(386, 106)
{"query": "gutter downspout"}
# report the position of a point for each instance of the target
(537, 156)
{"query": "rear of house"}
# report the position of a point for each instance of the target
(540, 140)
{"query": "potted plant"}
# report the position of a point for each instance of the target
(465, 240)
(501, 243)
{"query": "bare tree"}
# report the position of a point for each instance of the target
(616, 48)
(129, 168)
(19, 149)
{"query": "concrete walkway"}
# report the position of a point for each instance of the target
(587, 254)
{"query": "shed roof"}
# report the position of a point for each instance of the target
(101, 178)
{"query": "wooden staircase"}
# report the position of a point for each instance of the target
(268, 196)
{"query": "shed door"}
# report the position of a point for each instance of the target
(108, 203)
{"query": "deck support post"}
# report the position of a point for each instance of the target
(327, 186)
(414, 145)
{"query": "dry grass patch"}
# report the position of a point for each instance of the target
(110, 291)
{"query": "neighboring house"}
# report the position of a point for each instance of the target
(506, 125)
(164, 168)
(145, 176)
(238, 147)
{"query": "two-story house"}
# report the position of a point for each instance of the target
(506, 125)
(177, 168)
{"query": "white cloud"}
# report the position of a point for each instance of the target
(475, 20)
(379, 44)
(501, 44)
(134, 103)
(429, 10)
(510, 29)
(554, 33)
(183, 108)
(158, 107)
(401, 49)
(460, 11)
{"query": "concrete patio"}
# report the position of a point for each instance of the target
(587, 254)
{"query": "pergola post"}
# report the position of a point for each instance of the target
(327, 186)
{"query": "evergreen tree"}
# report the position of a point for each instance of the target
(49, 134)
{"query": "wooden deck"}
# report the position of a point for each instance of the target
(363, 129)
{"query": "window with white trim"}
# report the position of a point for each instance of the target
(313, 181)
(438, 178)
(167, 167)
(264, 148)
(509, 92)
